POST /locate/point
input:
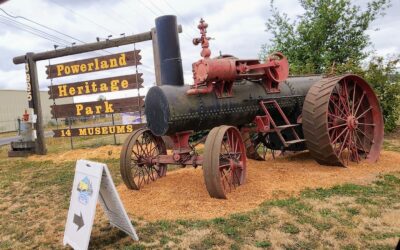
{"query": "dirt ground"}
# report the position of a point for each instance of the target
(182, 193)
(104, 152)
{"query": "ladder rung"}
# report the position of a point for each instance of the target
(268, 102)
(287, 126)
(295, 141)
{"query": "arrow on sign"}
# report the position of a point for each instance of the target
(78, 220)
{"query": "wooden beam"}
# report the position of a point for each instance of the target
(40, 145)
(110, 43)
(156, 57)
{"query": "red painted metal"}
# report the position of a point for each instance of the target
(278, 69)
(353, 121)
(342, 121)
(203, 40)
(25, 116)
(194, 160)
(138, 151)
(224, 162)
(263, 123)
(275, 128)
(181, 142)
(218, 74)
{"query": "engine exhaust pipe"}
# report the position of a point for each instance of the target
(169, 51)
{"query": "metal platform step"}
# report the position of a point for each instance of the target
(295, 141)
(282, 127)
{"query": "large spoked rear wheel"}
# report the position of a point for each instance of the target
(137, 159)
(224, 163)
(342, 121)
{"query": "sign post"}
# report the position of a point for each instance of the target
(92, 183)
(85, 66)
(34, 102)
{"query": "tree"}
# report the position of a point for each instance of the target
(382, 75)
(329, 32)
(384, 78)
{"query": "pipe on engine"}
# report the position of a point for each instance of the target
(169, 51)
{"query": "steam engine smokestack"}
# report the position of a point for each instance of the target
(169, 51)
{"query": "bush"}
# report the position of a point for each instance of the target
(382, 75)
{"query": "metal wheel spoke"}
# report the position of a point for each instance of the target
(361, 143)
(340, 96)
(336, 116)
(359, 103)
(367, 124)
(371, 140)
(364, 113)
(346, 97)
(225, 161)
(338, 108)
(225, 179)
(141, 149)
(343, 143)
(337, 126)
(236, 178)
(334, 141)
(353, 147)
(226, 149)
(354, 98)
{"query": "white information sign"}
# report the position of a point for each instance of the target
(132, 118)
(92, 183)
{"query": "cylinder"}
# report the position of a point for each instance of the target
(169, 51)
(169, 109)
(207, 70)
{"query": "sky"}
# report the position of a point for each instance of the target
(236, 26)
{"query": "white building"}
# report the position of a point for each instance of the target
(13, 104)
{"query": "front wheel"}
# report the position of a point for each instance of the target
(224, 162)
(137, 157)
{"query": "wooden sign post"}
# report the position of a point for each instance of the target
(73, 68)
(34, 102)
(89, 87)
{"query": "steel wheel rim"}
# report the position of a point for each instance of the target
(138, 168)
(331, 108)
(144, 149)
(231, 160)
(224, 165)
(352, 125)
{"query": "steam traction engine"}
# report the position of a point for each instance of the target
(246, 105)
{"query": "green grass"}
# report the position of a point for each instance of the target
(35, 198)
(263, 244)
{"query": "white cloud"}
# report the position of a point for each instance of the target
(238, 28)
